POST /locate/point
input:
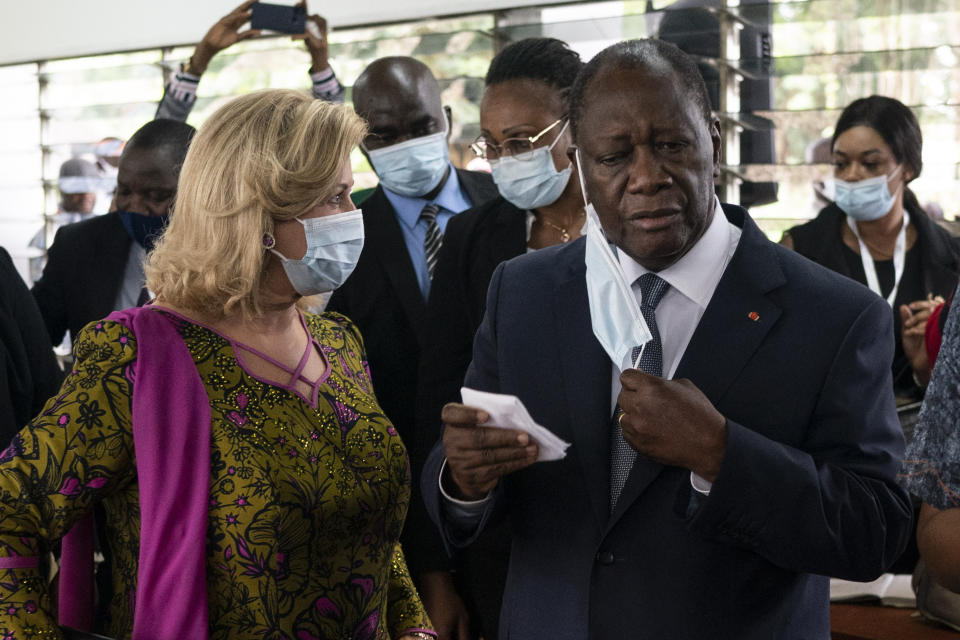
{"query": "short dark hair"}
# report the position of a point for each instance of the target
(640, 53)
(166, 136)
(895, 123)
(548, 60)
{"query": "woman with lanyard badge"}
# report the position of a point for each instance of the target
(876, 232)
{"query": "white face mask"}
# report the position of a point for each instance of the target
(530, 180)
(414, 167)
(868, 199)
(615, 315)
(333, 247)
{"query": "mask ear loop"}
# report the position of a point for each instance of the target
(583, 184)
(559, 135)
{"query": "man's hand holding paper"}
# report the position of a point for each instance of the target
(478, 456)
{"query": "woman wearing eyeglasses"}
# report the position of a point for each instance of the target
(524, 136)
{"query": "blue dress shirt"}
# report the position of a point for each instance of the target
(452, 199)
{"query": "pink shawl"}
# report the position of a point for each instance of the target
(171, 437)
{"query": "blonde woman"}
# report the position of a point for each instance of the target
(253, 487)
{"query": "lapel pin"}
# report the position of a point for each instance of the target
(753, 315)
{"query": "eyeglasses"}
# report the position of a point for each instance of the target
(509, 147)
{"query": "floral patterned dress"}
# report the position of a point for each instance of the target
(307, 499)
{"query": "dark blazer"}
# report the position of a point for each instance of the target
(806, 490)
(29, 374)
(476, 241)
(83, 275)
(383, 298)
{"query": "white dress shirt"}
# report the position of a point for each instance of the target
(693, 279)
(134, 278)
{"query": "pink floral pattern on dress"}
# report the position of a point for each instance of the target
(306, 504)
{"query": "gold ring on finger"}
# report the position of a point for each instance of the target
(620, 418)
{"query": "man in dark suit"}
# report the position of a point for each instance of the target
(709, 493)
(386, 294)
(96, 266)
(29, 374)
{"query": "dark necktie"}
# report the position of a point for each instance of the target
(433, 239)
(652, 288)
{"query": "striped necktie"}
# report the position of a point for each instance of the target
(622, 455)
(433, 239)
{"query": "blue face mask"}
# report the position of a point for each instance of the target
(866, 200)
(530, 180)
(615, 316)
(414, 167)
(143, 229)
(333, 248)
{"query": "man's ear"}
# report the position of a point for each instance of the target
(449, 115)
(572, 153)
(717, 140)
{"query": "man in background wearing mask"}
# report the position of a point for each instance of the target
(107, 151)
(96, 266)
(78, 183)
(404, 221)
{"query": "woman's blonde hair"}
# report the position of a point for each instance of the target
(270, 155)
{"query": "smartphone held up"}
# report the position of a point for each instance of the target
(277, 17)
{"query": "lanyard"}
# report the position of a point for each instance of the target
(899, 258)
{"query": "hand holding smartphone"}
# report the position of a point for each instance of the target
(278, 17)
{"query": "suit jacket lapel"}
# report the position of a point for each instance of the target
(510, 233)
(586, 371)
(478, 186)
(108, 268)
(738, 316)
(735, 322)
(385, 241)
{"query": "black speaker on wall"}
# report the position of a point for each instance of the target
(692, 26)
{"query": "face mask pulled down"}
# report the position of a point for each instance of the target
(333, 248)
(414, 167)
(615, 316)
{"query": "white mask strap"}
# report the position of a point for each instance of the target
(583, 184)
(559, 135)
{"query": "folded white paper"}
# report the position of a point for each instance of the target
(890, 589)
(507, 412)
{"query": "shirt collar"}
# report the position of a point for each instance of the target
(408, 208)
(697, 273)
